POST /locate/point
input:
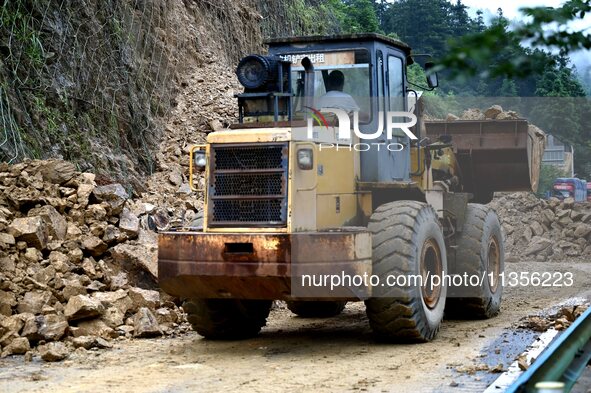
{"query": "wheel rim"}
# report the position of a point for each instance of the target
(493, 264)
(431, 265)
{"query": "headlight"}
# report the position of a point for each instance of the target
(256, 71)
(305, 159)
(199, 159)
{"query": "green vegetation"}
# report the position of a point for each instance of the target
(548, 173)
(475, 59)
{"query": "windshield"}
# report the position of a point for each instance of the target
(354, 91)
(561, 194)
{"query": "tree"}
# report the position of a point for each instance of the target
(508, 88)
(548, 173)
(479, 22)
(544, 28)
(461, 24)
(356, 16)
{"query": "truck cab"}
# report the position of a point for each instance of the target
(571, 187)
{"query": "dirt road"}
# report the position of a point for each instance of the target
(294, 354)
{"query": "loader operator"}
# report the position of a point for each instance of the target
(335, 97)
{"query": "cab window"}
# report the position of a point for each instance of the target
(353, 64)
(395, 83)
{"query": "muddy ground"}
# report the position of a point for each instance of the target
(294, 354)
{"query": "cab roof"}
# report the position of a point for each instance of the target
(340, 38)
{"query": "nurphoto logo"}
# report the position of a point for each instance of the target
(392, 120)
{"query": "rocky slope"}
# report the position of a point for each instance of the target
(206, 103)
(96, 82)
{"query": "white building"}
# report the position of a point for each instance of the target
(559, 154)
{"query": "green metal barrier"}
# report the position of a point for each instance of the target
(563, 361)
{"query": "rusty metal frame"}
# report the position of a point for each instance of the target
(256, 266)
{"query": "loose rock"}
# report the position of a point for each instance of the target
(82, 307)
(53, 352)
(31, 230)
(145, 324)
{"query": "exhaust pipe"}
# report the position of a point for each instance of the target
(309, 81)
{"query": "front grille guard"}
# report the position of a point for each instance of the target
(248, 185)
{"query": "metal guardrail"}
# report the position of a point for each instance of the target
(563, 361)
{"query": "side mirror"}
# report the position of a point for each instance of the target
(432, 79)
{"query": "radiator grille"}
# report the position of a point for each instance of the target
(251, 157)
(248, 211)
(248, 185)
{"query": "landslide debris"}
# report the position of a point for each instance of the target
(205, 103)
(544, 230)
(78, 263)
(495, 112)
(559, 320)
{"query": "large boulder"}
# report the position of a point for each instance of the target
(118, 299)
(582, 230)
(94, 245)
(83, 194)
(24, 196)
(144, 298)
(73, 287)
(113, 317)
(56, 224)
(140, 256)
(145, 324)
(57, 172)
(568, 203)
(94, 327)
(45, 327)
(113, 235)
(6, 239)
(88, 342)
(493, 112)
(7, 302)
(548, 216)
(129, 223)
(59, 261)
(83, 307)
(31, 230)
(114, 194)
(18, 346)
(53, 352)
(537, 245)
(34, 301)
(10, 328)
(537, 228)
(473, 114)
(509, 115)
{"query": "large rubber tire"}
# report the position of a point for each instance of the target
(480, 250)
(407, 240)
(316, 309)
(227, 319)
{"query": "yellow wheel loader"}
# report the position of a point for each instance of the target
(332, 188)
